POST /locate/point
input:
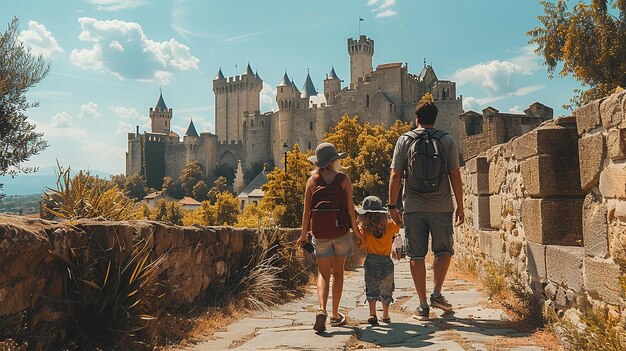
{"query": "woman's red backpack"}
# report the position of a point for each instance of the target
(329, 213)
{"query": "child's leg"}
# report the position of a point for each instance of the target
(372, 304)
(385, 310)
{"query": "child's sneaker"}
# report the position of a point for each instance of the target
(422, 313)
(440, 302)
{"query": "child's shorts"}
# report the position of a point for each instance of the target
(379, 283)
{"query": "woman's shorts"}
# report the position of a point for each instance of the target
(379, 283)
(341, 246)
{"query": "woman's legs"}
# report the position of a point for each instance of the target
(323, 281)
(337, 264)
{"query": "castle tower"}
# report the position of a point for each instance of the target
(239, 184)
(308, 89)
(286, 95)
(332, 86)
(361, 52)
(191, 141)
(161, 117)
(234, 96)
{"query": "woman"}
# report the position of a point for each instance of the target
(329, 214)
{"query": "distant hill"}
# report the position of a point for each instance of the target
(36, 183)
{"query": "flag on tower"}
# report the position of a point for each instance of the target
(360, 19)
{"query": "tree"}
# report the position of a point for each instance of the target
(172, 188)
(284, 193)
(200, 191)
(226, 209)
(190, 176)
(119, 180)
(219, 186)
(588, 40)
(135, 187)
(343, 135)
(19, 70)
(250, 173)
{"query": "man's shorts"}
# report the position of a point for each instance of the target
(341, 246)
(417, 226)
(379, 284)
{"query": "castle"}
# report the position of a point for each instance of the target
(245, 134)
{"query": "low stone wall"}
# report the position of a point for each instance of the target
(551, 204)
(196, 260)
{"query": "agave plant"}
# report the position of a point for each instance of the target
(110, 295)
(86, 196)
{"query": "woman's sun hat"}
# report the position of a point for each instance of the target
(371, 204)
(325, 153)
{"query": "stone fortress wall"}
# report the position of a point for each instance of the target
(552, 205)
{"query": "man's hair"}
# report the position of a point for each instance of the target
(426, 112)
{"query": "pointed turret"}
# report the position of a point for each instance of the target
(295, 87)
(219, 75)
(332, 74)
(286, 82)
(161, 104)
(248, 70)
(256, 75)
(191, 130)
(308, 89)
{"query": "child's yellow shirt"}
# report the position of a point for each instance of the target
(381, 246)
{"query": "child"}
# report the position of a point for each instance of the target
(379, 231)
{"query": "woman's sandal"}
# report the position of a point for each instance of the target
(337, 322)
(373, 320)
(320, 321)
(386, 320)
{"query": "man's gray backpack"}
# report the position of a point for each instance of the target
(426, 161)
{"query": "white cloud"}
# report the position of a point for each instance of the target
(130, 113)
(516, 109)
(383, 8)
(62, 120)
(40, 40)
(123, 128)
(470, 103)
(116, 5)
(268, 98)
(123, 49)
(89, 109)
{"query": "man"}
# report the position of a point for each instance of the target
(427, 208)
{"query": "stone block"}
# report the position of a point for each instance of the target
(588, 117)
(548, 175)
(616, 144)
(490, 244)
(553, 221)
(496, 207)
(477, 164)
(611, 110)
(613, 181)
(553, 140)
(564, 266)
(595, 227)
(602, 280)
(480, 183)
(497, 174)
(481, 214)
(591, 152)
(536, 260)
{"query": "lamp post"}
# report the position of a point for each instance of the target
(285, 147)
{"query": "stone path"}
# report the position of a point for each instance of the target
(472, 326)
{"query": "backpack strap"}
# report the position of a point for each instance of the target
(438, 134)
(319, 180)
(339, 178)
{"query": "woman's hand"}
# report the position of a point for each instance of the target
(301, 241)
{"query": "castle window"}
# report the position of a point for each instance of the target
(309, 145)
(390, 108)
(244, 124)
(252, 123)
(166, 123)
(281, 89)
(262, 124)
(367, 100)
(310, 127)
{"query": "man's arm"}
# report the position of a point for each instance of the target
(395, 180)
(457, 187)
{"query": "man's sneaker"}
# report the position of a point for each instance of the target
(422, 313)
(440, 302)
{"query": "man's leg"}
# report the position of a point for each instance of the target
(416, 233)
(440, 269)
(443, 247)
(418, 272)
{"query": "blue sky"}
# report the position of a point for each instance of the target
(110, 58)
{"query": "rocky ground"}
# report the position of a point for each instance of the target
(474, 325)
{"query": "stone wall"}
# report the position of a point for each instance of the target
(197, 260)
(557, 219)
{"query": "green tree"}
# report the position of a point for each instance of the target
(119, 180)
(174, 213)
(135, 187)
(159, 212)
(284, 193)
(219, 186)
(226, 209)
(190, 176)
(172, 187)
(19, 71)
(250, 173)
(200, 191)
(588, 41)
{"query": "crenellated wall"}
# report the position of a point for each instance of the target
(551, 204)
(197, 261)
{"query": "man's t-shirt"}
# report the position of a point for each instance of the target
(439, 200)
